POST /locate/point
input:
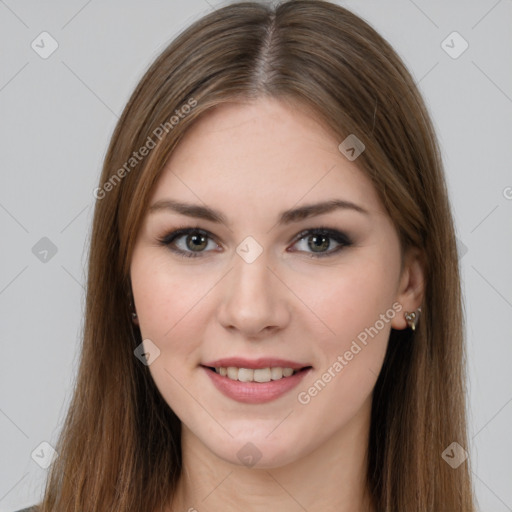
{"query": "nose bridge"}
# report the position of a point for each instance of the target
(252, 276)
(253, 300)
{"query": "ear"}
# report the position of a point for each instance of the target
(411, 287)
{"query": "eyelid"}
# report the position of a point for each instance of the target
(176, 233)
(331, 232)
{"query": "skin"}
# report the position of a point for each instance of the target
(251, 161)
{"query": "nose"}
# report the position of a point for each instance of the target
(254, 300)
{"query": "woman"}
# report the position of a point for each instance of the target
(273, 306)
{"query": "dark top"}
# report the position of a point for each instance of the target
(30, 509)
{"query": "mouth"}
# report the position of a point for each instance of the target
(255, 382)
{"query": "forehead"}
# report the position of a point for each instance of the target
(260, 154)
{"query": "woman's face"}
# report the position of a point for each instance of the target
(261, 287)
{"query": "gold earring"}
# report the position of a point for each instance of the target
(412, 318)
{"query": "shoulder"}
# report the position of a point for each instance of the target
(29, 509)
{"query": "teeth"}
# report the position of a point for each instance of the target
(232, 373)
(262, 375)
(245, 375)
(276, 373)
(259, 375)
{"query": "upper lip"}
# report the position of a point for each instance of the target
(261, 362)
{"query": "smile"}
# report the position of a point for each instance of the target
(255, 385)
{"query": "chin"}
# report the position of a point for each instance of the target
(257, 450)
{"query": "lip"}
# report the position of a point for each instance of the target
(255, 392)
(255, 364)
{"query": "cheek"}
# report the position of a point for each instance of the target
(168, 303)
(352, 296)
(355, 302)
(164, 295)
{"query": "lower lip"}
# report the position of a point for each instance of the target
(255, 392)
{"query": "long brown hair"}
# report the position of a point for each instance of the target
(119, 448)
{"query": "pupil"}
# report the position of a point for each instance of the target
(198, 241)
(324, 244)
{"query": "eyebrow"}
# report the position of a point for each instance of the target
(285, 217)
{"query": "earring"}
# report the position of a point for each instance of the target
(134, 313)
(412, 318)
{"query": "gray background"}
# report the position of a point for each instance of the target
(57, 115)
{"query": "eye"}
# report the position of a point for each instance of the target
(187, 242)
(319, 240)
(192, 242)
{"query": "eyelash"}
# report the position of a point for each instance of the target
(334, 234)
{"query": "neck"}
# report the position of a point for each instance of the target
(331, 477)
